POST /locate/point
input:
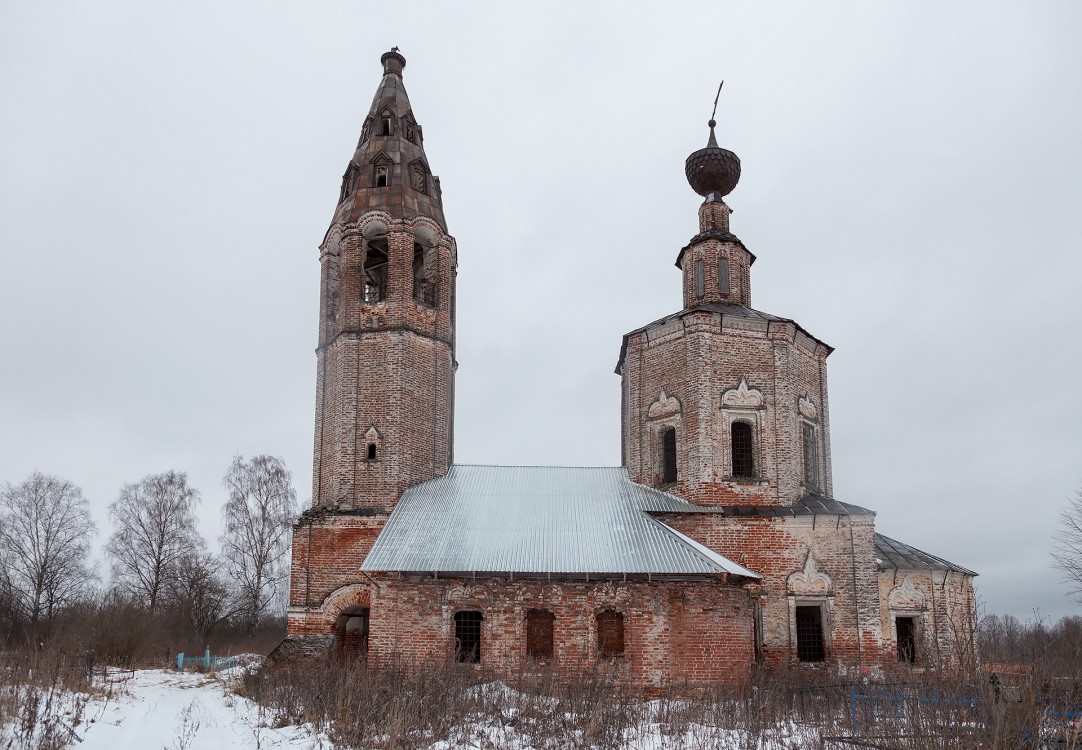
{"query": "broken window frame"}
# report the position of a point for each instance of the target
(424, 290)
(374, 274)
(468, 632)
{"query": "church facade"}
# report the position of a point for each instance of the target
(715, 549)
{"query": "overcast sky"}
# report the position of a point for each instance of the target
(911, 187)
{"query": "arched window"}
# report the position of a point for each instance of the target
(610, 634)
(743, 456)
(668, 455)
(468, 637)
(375, 272)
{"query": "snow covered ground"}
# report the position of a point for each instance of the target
(168, 710)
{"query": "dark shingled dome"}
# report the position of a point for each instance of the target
(712, 169)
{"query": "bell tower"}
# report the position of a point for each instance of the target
(386, 353)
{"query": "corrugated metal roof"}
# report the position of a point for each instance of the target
(539, 519)
(890, 553)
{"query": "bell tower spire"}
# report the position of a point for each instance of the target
(386, 354)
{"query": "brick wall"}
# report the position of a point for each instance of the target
(385, 370)
(698, 358)
(942, 605)
(698, 632)
(841, 548)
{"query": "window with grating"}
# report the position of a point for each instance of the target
(610, 634)
(743, 456)
(809, 633)
(468, 637)
(539, 624)
(668, 455)
(907, 638)
(811, 455)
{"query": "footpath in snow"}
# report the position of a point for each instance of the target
(183, 711)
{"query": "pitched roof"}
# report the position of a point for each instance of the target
(539, 519)
(890, 553)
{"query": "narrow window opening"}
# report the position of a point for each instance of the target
(381, 176)
(811, 455)
(809, 633)
(371, 451)
(907, 639)
(668, 455)
(385, 126)
(424, 291)
(610, 634)
(743, 457)
(468, 637)
(409, 132)
(699, 278)
(375, 272)
(723, 275)
(539, 627)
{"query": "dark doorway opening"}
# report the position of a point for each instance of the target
(907, 638)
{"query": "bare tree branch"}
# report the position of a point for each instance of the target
(155, 532)
(45, 532)
(1067, 552)
(258, 520)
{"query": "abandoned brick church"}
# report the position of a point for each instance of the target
(717, 547)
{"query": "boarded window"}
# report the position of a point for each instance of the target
(743, 456)
(698, 278)
(811, 455)
(907, 638)
(668, 455)
(723, 275)
(610, 634)
(809, 633)
(539, 624)
(468, 637)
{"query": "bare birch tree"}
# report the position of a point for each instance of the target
(45, 533)
(1067, 552)
(198, 593)
(258, 520)
(154, 531)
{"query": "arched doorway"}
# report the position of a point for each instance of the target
(351, 633)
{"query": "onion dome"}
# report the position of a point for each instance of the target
(712, 170)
